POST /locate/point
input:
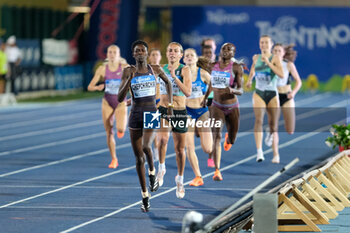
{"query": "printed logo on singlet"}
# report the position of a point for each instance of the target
(263, 80)
(263, 77)
(112, 86)
(197, 90)
(143, 86)
(176, 89)
(220, 79)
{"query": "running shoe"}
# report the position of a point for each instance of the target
(180, 190)
(260, 157)
(198, 181)
(276, 159)
(145, 205)
(269, 137)
(160, 176)
(114, 164)
(120, 134)
(217, 175)
(227, 146)
(153, 183)
(211, 163)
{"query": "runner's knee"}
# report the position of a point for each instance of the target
(146, 149)
(140, 160)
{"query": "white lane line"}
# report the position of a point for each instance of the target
(160, 194)
(244, 116)
(295, 140)
(313, 98)
(57, 162)
(89, 154)
(56, 143)
(52, 130)
(47, 119)
(106, 208)
(79, 183)
(80, 107)
(67, 187)
(65, 160)
(298, 117)
(116, 187)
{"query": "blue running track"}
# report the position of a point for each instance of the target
(54, 175)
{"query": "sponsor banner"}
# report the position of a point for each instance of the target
(55, 52)
(30, 50)
(35, 79)
(321, 35)
(112, 22)
(68, 77)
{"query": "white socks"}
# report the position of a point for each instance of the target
(144, 194)
(161, 166)
(180, 179)
(152, 172)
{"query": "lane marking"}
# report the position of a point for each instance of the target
(79, 106)
(52, 130)
(298, 117)
(56, 143)
(295, 140)
(244, 116)
(47, 119)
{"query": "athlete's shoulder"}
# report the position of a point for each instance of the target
(101, 69)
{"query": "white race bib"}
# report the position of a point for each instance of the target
(143, 86)
(220, 79)
(112, 86)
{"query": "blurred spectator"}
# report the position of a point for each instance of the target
(14, 59)
(211, 43)
(207, 52)
(154, 56)
(3, 67)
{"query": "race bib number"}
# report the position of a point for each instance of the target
(196, 92)
(220, 79)
(143, 86)
(112, 86)
(263, 77)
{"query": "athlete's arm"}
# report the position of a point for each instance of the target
(205, 76)
(293, 70)
(162, 75)
(128, 74)
(186, 86)
(100, 72)
(238, 71)
(275, 65)
(252, 72)
(204, 101)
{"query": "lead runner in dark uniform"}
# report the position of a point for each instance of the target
(141, 80)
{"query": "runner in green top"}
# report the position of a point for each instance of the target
(180, 77)
(265, 67)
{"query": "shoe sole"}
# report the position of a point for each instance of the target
(196, 185)
(178, 195)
